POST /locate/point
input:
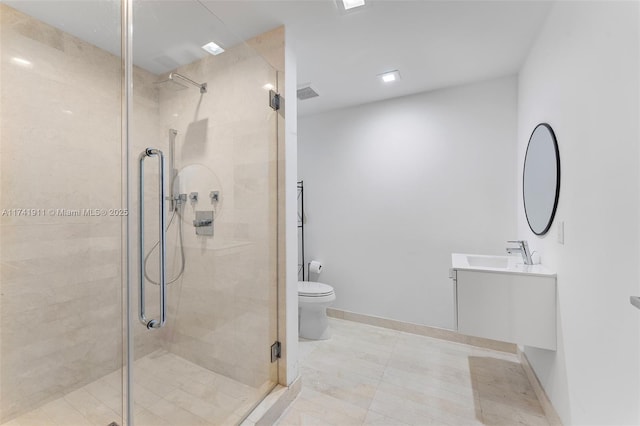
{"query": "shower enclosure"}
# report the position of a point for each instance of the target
(138, 214)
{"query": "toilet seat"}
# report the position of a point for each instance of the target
(314, 289)
(312, 300)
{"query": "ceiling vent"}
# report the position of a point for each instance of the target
(306, 93)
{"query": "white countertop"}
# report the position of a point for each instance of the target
(512, 265)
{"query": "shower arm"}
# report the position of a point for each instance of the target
(203, 86)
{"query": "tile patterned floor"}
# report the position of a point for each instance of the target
(366, 375)
(169, 391)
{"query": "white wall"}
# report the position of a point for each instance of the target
(392, 188)
(582, 77)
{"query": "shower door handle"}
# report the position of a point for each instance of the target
(153, 323)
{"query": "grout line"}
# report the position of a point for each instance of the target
(386, 365)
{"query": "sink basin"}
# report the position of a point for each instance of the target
(488, 261)
(492, 263)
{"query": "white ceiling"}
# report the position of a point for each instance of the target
(434, 44)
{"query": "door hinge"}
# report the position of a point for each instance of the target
(276, 351)
(274, 100)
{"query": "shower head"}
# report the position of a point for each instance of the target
(177, 81)
(170, 84)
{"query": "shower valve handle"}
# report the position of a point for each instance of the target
(202, 222)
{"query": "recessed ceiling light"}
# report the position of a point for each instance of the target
(350, 4)
(213, 48)
(390, 76)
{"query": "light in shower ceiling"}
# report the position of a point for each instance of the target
(350, 4)
(390, 76)
(213, 48)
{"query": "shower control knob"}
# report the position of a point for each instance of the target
(193, 197)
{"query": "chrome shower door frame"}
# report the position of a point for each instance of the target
(126, 99)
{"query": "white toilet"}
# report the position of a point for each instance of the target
(313, 299)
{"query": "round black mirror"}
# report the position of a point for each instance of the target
(541, 179)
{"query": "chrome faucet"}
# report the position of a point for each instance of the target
(523, 249)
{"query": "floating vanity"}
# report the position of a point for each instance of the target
(500, 298)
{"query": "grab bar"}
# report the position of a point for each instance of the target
(153, 323)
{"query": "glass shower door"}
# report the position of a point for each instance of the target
(203, 189)
(70, 219)
(61, 213)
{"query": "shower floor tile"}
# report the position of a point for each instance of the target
(366, 375)
(168, 391)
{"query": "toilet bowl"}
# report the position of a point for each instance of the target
(313, 299)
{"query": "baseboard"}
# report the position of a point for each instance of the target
(274, 404)
(423, 330)
(545, 402)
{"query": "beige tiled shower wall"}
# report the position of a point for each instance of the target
(222, 313)
(60, 148)
(61, 298)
